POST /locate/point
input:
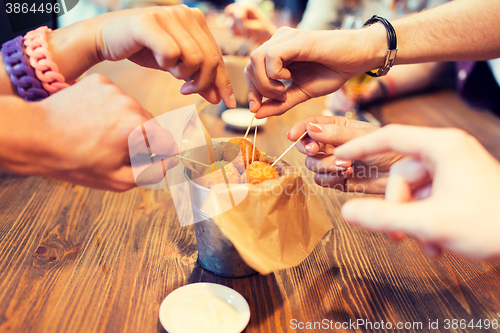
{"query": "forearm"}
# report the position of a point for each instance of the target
(459, 30)
(73, 49)
(411, 78)
(21, 137)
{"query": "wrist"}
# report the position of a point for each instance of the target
(375, 39)
(74, 48)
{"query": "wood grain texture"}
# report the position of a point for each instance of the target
(74, 259)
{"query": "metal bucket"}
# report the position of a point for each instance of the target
(216, 253)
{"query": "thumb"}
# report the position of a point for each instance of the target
(381, 215)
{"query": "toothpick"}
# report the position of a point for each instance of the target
(286, 151)
(247, 169)
(249, 126)
(208, 139)
(254, 139)
(201, 106)
(190, 160)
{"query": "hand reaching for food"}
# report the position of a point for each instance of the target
(445, 195)
(90, 146)
(316, 62)
(325, 134)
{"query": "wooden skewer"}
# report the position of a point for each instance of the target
(249, 126)
(254, 140)
(247, 169)
(190, 160)
(202, 106)
(286, 151)
(208, 139)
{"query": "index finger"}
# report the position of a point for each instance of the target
(408, 140)
(220, 79)
(299, 128)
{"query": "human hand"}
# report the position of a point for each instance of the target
(249, 21)
(445, 195)
(317, 62)
(175, 39)
(325, 134)
(85, 136)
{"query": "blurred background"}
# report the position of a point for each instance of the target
(240, 27)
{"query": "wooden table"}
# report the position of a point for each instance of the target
(73, 259)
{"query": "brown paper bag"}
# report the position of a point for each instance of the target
(276, 226)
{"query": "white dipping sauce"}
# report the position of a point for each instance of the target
(205, 313)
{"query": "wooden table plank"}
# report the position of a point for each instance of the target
(82, 260)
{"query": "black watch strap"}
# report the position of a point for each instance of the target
(392, 45)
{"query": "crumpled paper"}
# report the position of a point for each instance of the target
(276, 226)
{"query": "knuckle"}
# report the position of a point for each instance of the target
(334, 131)
(273, 75)
(113, 91)
(182, 11)
(310, 119)
(144, 18)
(194, 59)
(127, 103)
(172, 52)
(270, 53)
(214, 60)
(283, 29)
(458, 134)
(255, 56)
(198, 14)
(248, 71)
(198, 58)
(458, 138)
(392, 127)
(99, 78)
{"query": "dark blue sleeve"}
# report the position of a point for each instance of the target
(22, 23)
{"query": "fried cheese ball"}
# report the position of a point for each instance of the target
(230, 152)
(233, 176)
(260, 171)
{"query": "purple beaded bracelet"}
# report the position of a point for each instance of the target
(21, 74)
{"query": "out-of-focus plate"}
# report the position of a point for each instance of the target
(193, 307)
(240, 118)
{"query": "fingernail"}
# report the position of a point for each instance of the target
(342, 163)
(315, 128)
(288, 135)
(423, 193)
(309, 148)
(232, 101)
(186, 88)
(252, 106)
(347, 172)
